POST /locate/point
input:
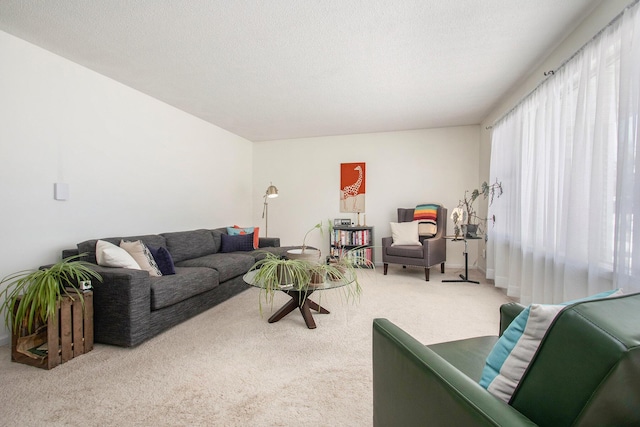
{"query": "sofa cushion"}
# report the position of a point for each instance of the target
(228, 265)
(405, 251)
(217, 237)
(242, 243)
(187, 282)
(467, 355)
(89, 246)
(189, 244)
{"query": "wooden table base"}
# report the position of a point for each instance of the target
(299, 299)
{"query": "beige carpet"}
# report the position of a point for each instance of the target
(229, 367)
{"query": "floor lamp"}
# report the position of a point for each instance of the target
(272, 192)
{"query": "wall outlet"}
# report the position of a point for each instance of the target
(85, 285)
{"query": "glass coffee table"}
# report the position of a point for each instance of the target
(300, 297)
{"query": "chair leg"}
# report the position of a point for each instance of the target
(426, 274)
(442, 268)
(386, 267)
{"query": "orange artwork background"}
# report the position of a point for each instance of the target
(352, 186)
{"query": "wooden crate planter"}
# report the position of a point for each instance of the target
(67, 336)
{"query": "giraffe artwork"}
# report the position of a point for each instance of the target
(352, 187)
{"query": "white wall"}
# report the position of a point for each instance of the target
(403, 170)
(134, 165)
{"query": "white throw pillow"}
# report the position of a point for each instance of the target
(110, 255)
(142, 255)
(405, 233)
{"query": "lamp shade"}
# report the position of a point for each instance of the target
(272, 191)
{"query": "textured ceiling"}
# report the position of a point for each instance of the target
(277, 69)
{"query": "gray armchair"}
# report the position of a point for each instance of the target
(432, 252)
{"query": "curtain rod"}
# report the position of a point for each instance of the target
(550, 73)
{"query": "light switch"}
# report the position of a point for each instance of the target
(61, 191)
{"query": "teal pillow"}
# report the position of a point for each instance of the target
(235, 231)
(515, 349)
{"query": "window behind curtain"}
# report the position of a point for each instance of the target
(557, 156)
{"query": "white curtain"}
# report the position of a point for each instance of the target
(566, 156)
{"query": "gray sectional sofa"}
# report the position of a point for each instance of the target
(130, 306)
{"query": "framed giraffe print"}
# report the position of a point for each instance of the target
(352, 187)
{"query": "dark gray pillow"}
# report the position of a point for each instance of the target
(163, 259)
(241, 242)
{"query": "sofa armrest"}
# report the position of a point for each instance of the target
(66, 253)
(508, 312)
(121, 306)
(387, 241)
(413, 386)
(269, 242)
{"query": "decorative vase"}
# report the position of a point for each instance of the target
(470, 231)
(317, 277)
(284, 275)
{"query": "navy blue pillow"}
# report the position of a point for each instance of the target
(163, 259)
(241, 242)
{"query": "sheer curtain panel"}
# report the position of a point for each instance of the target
(567, 158)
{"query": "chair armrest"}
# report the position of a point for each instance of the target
(387, 241)
(508, 312)
(436, 245)
(413, 386)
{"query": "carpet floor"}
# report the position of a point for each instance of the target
(230, 367)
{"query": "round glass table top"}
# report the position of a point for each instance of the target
(250, 279)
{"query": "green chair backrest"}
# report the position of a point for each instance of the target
(586, 371)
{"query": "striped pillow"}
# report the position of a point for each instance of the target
(512, 354)
(427, 215)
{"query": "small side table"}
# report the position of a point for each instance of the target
(463, 277)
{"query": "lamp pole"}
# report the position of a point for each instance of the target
(272, 192)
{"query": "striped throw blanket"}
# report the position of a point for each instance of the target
(427, 214)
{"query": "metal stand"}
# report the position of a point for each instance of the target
(464, 277)
(265, 215)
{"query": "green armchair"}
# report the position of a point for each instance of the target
(586, 372)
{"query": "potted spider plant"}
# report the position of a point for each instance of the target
(31, 299)
(275, 273)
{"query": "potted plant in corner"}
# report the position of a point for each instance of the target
(465, 218)
(31, 305)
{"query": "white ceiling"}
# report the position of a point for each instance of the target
(278, 69)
